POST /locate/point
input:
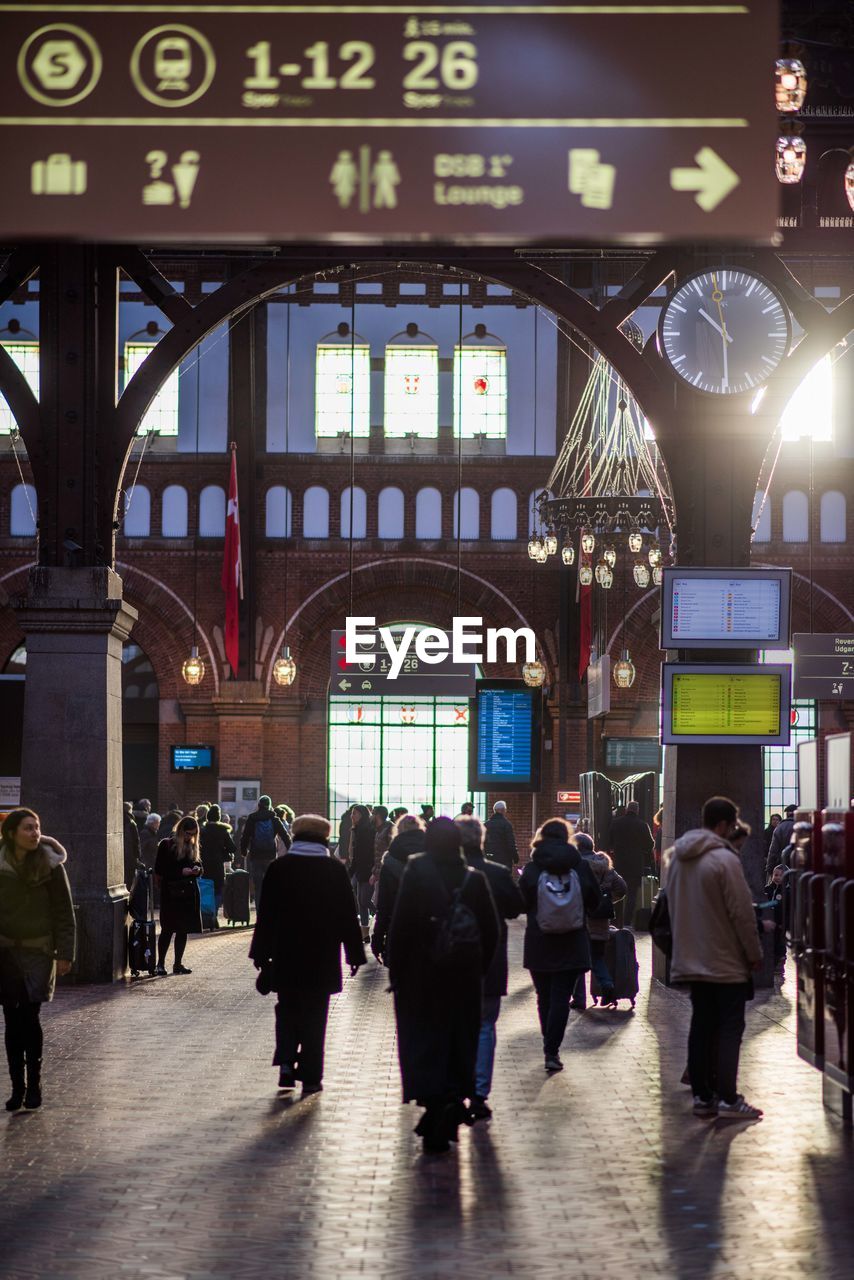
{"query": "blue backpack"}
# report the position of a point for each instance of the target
(264, 837)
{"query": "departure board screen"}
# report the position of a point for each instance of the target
(726, 704)
(190, 759)
(506, 724)
(725, 608)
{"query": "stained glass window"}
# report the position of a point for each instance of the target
(162, 413)
(411, 392)
(338, 369)
(26, 357)
(781, 763)
(480, 392)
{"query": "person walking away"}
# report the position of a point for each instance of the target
(37, 943)
(361, 865)
(508, 904)
(612, 888)
(408, 839)
(169, 822)
(141, 810)
(130, 833)
(466, 810)
(715, 948)
(178, 868)
(780, 841)
(286, 815)
(559, 889)
(307, 914)
(148, 840)
(383, 833)
(344, 828)
(258, 840)
(442, 938)
(500, 842)
(631, 847)
(217, 851)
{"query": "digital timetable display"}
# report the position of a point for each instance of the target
(744, 705)
(192, 759)
(725, 608)
(506, 736)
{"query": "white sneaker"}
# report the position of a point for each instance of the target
(738, 1110)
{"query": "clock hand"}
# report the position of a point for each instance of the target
(717, 298)
(715, 325)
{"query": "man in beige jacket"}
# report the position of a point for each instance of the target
(715, 947)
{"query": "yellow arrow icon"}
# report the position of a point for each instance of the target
(713, 180)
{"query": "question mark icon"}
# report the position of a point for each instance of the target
(157, 162)
(158, 190)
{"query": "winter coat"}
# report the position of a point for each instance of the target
(382, 841)
(343, 850)
(148, 842)
(307, 914)
(261, 858)
(555, 952)
(607, 879)
(401, 848)
(500, 841)
(711, 911)
(631, 846)
(508, 904)
(438, 1013)
(217, 848)
(37, 925)
(781, 838)
(362, 850)
(131, 848)
(180, 908)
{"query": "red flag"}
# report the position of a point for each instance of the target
(232, 568)
(585, 631)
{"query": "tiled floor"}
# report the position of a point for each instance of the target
(164, 1152)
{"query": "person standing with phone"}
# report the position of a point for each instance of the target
(178, 868)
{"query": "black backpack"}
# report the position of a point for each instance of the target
(456, 940)
(660, 927)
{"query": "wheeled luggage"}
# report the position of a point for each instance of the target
(207, 902)
(648, 889)
(142, 931)
(235, 897)
(622, 964)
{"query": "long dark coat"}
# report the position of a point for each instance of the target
(36, 913)
(438, 1015)
(509, 904)
(362, 850)
(402, 847)
(217, 847)
(180, 908)
(307, 914)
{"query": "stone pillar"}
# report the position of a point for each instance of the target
(75, 622)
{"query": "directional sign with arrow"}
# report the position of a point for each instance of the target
(712, 180)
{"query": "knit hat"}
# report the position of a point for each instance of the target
(311, 826)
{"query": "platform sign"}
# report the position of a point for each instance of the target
(824, 666)
(453, 122)
(371, 676)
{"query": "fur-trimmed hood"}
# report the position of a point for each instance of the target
(49, 854)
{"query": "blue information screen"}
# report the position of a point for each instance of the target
(184, 758)
(505, 728)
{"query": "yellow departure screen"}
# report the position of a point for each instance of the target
(724, 703)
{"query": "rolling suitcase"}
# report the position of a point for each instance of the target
(646, 897)
(142, 931)
(207, 902)
(622, 963)
(235, 898)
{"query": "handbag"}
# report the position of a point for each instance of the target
(660, 927)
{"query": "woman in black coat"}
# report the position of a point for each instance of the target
(556, 960)
(361, 864)
(217, 849)
(178, 868)
(409, 838)
(37, 937)
(307, 913)
(437, 995)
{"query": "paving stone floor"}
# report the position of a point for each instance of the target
(164, 1152)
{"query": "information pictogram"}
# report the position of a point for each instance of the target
(172, 66)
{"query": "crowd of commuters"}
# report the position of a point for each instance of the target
(440, 891)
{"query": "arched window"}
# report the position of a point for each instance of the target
(24, 512)
(480, 391)
(470, 523)
(795, 516)
(315, 512)
(162, 414)
(137, 521)
(428, 514)
(411, 391)
(173, 522)
(26, 357)
(503, 515)
(390, 513)
(763, 528)
(833, 516)
(212, 512)
(360, 514)
(279, 512)
(340, 368)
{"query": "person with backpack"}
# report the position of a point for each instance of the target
(441, 941)
(259, 842)
(408, 838)
(218, 850)
(559, 890)
(612, 887)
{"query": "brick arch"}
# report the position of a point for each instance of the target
(394, 589)
(166, 621)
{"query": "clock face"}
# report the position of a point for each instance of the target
(724, 331)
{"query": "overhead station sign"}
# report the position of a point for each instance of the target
(449, 122)
(372, 674)
(824, 666)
